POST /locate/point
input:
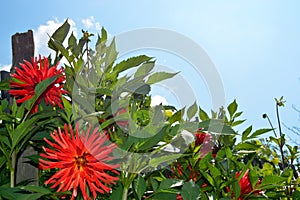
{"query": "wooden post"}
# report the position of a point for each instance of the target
(4, 75)
(23, 49)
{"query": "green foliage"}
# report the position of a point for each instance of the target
(164, 152)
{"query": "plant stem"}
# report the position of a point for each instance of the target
(271, 125)
(125, 193)
(13, 169)
(280, 134)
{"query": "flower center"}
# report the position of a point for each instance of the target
(80, 161)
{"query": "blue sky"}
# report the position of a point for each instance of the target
(255, 45)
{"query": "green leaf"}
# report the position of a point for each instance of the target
(271, 179)
(156, 161)
(176, 116)
(246, 133)
(236, 189)
(152, 141)
(159, 76)
(22, 130)
(39, 90)
(248, 146)
(130, 63)
(217, 127)
(144, 69)
(116, 193)
(232, 108)
(139, 185)
(60, 34)
(260, 132)
(36, 189)
(238, 122)
(154, 183)
(165, 195)
(4, 84)
(203, 115)
(192, 110)
(169, 183)
(296, 195)
(190, 191)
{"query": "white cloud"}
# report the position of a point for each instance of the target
(156, 100)
(91, 23)
(5, 67)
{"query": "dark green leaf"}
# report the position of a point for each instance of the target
(190, 191)
(116, 193)
(169, 183)
(296, 195)
(60, 34)
(4, 84)
(139, 185)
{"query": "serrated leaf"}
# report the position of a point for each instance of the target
(192, 110)
(130, 63)
(159, 76)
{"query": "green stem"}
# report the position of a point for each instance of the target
(13, 169)
(125, 193)
(280, 134)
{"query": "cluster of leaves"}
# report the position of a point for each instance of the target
(158, 159)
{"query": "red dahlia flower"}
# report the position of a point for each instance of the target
(246, 186)
(81, 160)
(29, 75)
(206, 140)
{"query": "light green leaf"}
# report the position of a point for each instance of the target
(130, 63)
(203, 115)
(232, 108)
(159, 76)
(260, 132)
(192, 110)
